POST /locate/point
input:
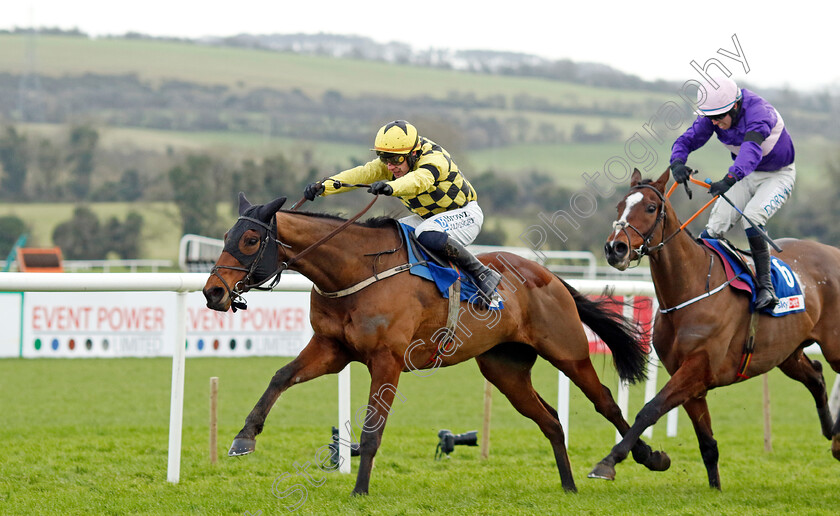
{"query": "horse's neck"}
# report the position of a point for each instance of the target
(341, 260)
(679, 269)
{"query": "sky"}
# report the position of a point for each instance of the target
(790, 45)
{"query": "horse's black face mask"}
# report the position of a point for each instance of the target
(263, 264)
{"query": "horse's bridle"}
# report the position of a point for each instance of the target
(646, 249)
(254, 266)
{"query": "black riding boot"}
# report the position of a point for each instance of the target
(766, 296)
(486, 279)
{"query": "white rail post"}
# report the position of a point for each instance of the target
(176, 404)
(623, 385)
(834, 397)
(653, 365)
(563, 403)
(344, 420)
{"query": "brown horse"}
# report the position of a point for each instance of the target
(702, 343)
(391, 325)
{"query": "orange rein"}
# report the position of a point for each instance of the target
(701, 210)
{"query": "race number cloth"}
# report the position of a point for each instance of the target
(443, 277)
(785, 282)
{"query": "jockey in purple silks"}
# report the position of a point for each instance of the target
(762, 174)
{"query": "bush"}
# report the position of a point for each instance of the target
(11, 228)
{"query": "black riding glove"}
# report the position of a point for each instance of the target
(721, 187)
(381, 188)
(680, 171)
(312, 191)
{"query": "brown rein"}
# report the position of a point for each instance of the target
(644, 249)
(333, 233)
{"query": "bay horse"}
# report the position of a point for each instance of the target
(391, 325)
(701, 342)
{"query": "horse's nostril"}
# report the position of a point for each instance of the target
(213, 294)
(620, 248)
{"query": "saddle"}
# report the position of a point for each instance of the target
(740, 271)
(433, 267)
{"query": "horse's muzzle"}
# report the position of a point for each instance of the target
(217, 298)
(617, 253)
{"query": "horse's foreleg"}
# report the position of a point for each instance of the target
(384, 376)
(809, 373)
(510, 372)
(698, 411)
(582, 374)
(687, 382)
(321, 356)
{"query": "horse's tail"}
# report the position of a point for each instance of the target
(623, 338)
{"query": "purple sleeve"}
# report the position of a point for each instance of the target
(748, 158)
(750, 154)
(692, 139)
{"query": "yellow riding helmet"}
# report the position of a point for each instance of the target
(397, 137)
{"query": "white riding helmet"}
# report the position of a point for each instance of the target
(715, 100)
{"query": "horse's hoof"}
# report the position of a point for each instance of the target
(835, 447)
(659, 461)
(242, 446)
(359, 493)
(602, 471)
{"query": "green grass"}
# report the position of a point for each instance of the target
(90, 437)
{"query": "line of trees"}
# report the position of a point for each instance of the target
(73, 168)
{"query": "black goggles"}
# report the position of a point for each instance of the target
(721, 116)
(390, 159)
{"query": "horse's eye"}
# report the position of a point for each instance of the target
(651, 208)
(252, 241)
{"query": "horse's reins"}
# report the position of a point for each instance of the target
(645, 248)
(749, 345)
(235, 292)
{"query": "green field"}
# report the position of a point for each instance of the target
(161, 235)
(245, 69)
(161, 221)
(241, 70)
(90, 437)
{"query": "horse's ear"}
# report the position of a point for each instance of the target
(635, 177)
(663, 180)
(267, 211)
(243, 203)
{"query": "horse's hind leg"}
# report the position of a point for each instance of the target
(321, 356)
(508, 367)
(582, 374)
(809, 373)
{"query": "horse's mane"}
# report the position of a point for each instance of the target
(373, 222)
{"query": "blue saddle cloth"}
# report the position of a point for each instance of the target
(443, 277)
(785, 281)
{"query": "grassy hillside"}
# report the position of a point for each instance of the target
(240, 71)
(244, 69)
